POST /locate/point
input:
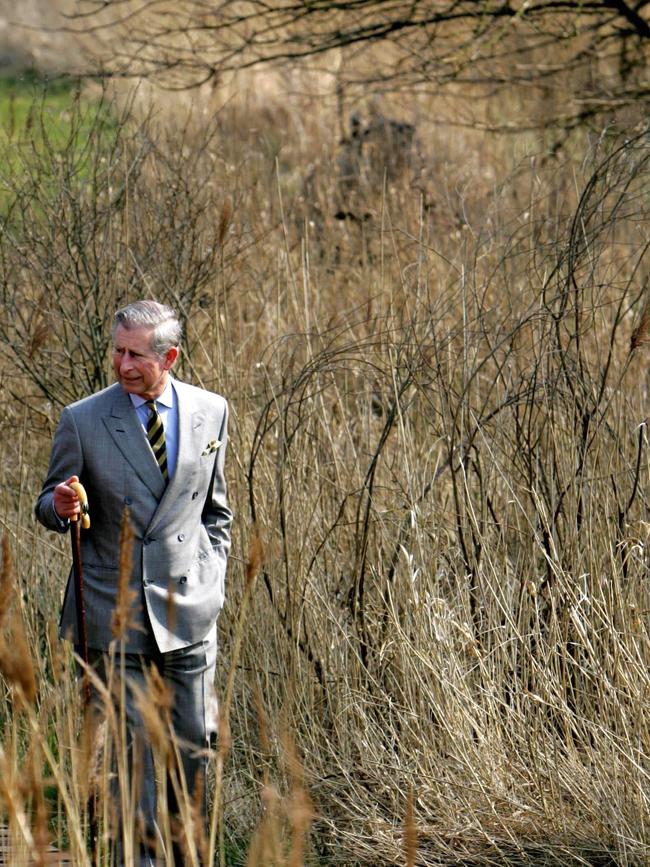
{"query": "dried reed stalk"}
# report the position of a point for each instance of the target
(123, 614)
(34, 785)
(642, 331)
(255, 558)
(171, 605)
(299, 808)
(154, 704)
(16, 663)
(6, 579)
(410, 832)
(224, 221)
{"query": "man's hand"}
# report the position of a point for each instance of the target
(66, 501)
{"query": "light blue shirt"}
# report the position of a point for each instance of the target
(167, 406)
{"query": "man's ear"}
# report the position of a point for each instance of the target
(170, 357)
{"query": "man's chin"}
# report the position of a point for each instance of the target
(130, 386)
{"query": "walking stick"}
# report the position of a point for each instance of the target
(77, 522)
(77, 571)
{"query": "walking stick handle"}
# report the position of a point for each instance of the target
(80, 491)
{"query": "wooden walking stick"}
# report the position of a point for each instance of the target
(76, 524)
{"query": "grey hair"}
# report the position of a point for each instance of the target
(151, 314)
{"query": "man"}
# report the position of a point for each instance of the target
(154, 446)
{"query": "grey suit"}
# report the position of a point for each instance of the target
(181, 543)
(181, 533)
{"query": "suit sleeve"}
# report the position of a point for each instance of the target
(217, 517)
(66, 459)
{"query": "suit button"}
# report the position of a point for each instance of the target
(128, 501)
(146, 540)
(181, 537)
(145, 582)
(195, 495)
(182, 580)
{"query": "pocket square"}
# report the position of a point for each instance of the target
(211, 447)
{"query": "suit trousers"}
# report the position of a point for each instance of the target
(188, 702)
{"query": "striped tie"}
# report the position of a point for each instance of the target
(156, 437)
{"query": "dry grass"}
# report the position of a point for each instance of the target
(440, 652)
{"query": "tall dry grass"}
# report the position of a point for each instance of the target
(435, 646)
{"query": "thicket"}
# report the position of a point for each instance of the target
(435, 646)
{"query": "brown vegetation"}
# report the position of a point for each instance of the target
(435, 647)
(585, 60)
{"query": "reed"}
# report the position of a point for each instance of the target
(439, 651)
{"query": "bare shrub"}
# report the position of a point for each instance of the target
(579, 61)
(85, 225)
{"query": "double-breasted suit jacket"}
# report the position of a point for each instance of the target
(181, 532)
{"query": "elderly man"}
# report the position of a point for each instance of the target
(155, 446)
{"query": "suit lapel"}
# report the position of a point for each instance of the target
(124, 427)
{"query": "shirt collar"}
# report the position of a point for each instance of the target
(166, 398)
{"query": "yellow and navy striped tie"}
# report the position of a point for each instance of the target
(156, 437)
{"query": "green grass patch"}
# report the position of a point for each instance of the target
(50, 132)
(29, 103)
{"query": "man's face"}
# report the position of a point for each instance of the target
(137, 367)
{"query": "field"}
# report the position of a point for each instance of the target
(435, 648)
